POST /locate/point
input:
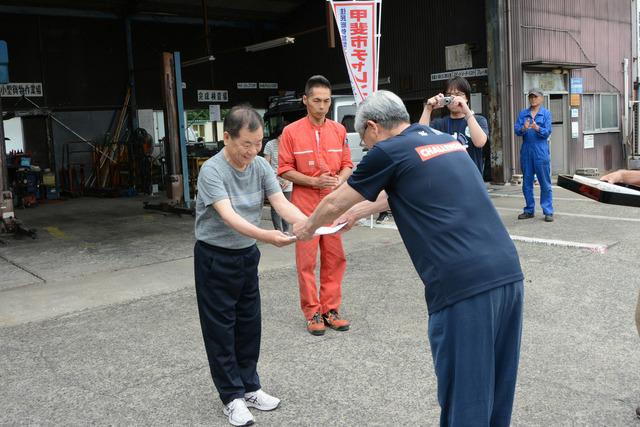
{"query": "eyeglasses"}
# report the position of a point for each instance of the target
(363, 134)
(455, 93)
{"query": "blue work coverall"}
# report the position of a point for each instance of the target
(535, 158)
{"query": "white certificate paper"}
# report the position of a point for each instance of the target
(329, 230)
(605, 186)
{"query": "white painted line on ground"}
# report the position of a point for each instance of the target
(514, 185)
(372, 224)
(594, 247)
(599, 248)
(608, 218)
(519, 196)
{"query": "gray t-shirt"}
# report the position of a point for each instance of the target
(271, 150)
(246, 190)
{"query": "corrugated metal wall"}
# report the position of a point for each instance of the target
(581, 31)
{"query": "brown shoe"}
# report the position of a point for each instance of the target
(332, 319)
(315, 325)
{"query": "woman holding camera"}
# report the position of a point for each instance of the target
(470, 129)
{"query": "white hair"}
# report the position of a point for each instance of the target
(383, 107)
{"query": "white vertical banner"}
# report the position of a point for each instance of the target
(358, 24)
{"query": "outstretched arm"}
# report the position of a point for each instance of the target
(286, 209)
(330, 208)
(624, 176)
(363, 210)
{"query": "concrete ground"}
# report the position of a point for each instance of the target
(98, 323)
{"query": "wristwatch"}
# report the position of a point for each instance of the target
(471, 113)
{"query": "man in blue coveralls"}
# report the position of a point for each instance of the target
(534, 126)
(459, 247)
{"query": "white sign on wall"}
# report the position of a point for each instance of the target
(548, 82)
(588, 141)
(574, 130)
(214, 113)
(267, 85)
(458, 56)
(213, 96)
(247, 85)
(476, 103)
(474, 72)
(16, 90)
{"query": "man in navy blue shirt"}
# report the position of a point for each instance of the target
(472, 130)
(459, 247)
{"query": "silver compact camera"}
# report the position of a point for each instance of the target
(447, 100)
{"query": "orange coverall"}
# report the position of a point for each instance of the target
(314, 150)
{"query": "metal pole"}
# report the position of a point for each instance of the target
(331, 33)
(182, 130)
(626, 102)
(4, 175)
(511, 111)
(207, 44)
(171, 144)
(133, 104)
(495, 76)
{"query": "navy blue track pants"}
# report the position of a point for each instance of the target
(475, 345)
(229, 306)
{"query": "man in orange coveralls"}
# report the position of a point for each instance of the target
(315, 156)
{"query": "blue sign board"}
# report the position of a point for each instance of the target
(576, 84)
(4, 63)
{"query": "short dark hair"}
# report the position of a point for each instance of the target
(279, 129)
(242, 116)
(460, 84)
(316, 81)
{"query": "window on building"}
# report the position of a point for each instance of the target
(600, 112)
(346, 116)
(199, 130)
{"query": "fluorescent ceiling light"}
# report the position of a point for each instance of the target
(270, 44)
(198, 61)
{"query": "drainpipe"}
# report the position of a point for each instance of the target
(512, 138)
(626, 103)
(4, 175)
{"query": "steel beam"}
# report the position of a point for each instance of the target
(497, 73)
(172, 138)
(182, 130)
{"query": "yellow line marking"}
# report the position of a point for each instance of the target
(56, 232)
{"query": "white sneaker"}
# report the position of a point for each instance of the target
(260, 400)
(238, 413)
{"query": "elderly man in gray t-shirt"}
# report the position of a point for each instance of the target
(231, 190)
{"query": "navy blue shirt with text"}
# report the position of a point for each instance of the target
(460, 128)
(453, 234)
